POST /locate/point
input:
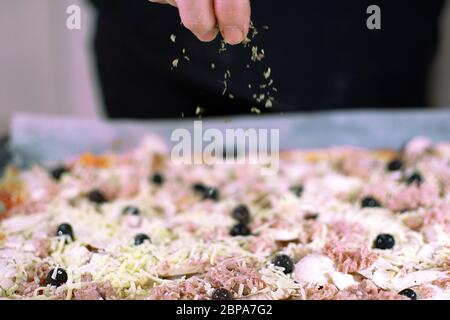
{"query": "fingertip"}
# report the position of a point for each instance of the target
(209, 36)
(232, 35)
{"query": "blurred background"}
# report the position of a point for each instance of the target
(44, 67)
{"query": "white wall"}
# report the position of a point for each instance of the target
(44, 67)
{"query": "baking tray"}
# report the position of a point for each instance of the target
(49, 138)
(4, 154)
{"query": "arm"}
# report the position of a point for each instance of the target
(206, 18)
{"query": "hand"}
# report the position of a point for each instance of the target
(205, 18)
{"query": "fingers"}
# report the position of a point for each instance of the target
(198, 16)
(171, 2)
(234, 19)
(203, 16)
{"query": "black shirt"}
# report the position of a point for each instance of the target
(321, 54)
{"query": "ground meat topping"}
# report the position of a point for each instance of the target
(231, 273)
(348, 257)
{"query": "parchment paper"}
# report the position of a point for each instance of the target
(49, 138)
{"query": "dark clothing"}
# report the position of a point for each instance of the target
(321, 54)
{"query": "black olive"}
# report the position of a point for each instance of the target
(65, 229)
(56, 277)
(97, 197)
(395, 165)
(222, 294)
(140, 239)
(206, 192)
(384, 241)
(284, 261)
(56, 173)
(240, 229)
(410, 293)
(298, 190)
(212, 194)
(311, 216)
(241, 214)
(370, 202)
(416, 178)
(157, 179)
(131, 210)
(199, 187)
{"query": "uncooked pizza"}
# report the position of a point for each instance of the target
(341, 223)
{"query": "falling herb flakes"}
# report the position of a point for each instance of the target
(259, 97)
(257, 54)
(225, 86)
(223, 46)
(226, 77)
(176, 62)
(199, 111)
(184, 55)
(255, 110)
(253, 30)
(267, 73)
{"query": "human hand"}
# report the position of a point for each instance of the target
(206, 18)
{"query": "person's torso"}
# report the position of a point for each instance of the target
(321, 53)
